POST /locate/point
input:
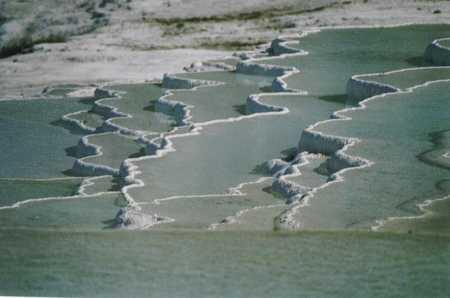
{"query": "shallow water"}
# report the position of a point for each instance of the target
(223, 264)
(137, 100)
(207, 211)
(89, 119)
(16, 190)
(32, 127)
(226, 154)
(66, 246)
(102, 184)
(327, 68)
(410, 78)
(311, 173)
(394, 130)
(434, 221)
(223, 101)
(445, 43)
(114, 149)
(83, 213)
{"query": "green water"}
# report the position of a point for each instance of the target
(114, 149)
(223, 101)
(410, 78)
(89, 119)
(438, 155)
(445, 43)
(202, 212)
(67, 247)
(137, 100)
(434, 221)
(16, 190)
(337, 54)
(394, 130)
(86, 213)
(223, 264)
(311, 176)
(102, 184)
(226, 154)
(34, 144)
(255, 219)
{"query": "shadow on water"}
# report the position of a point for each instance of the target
(71, 128)
(110, 223)
(444, 186)
(287, 155)
(269, 190)
(260, 169)
(73, 151)
(241, 109)
(140, 153)
(88, 100)
(266, 89)
(113, 222)
(411, 206)
(439, 140)
(341, 98)
(71, 173)
(117, 184)
(150, 107)
(322, 169)
(417, 61)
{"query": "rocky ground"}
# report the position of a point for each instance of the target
(52, 42)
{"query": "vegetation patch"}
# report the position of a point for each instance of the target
(231, 45)
(244, 16)
(25, 43)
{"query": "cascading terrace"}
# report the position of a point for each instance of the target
(220, 150)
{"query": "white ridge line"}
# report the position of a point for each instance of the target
(423, 207)
(133, 170)
(340, 116)
(234, 219)
(62, 198)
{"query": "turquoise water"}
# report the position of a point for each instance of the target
(312, 175)
(394, 130)
(137, 100)
(102, 184)
(223, 101)
(69, 247)
(410, 78)
(89, 119)
(226, 154)
(31, 127)
(35, 149)
(114, 149)
(327, 68)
